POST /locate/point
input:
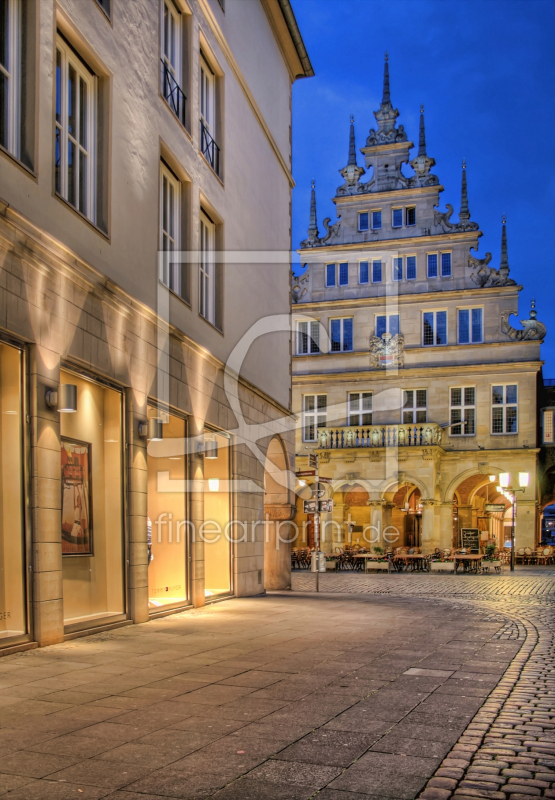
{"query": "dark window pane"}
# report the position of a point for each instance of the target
(445, 265)
(511, 419)
(335, 335)
(428, 328)
(470, 415)
(343, 274)
(363, 221)
(363, 272)
(496, 395)
(497, 420)
(83, 110)
(71, 173)
(411, 268)
(381, 325)
(347, 334)
(456, 417)
(376, 272)
(411, 216)
(441, 323)
(421, 416)
(3, 110)
(82, 182)
(4, 22)
(408, 417)
(456, 397)
(397, 269)
(322, 402)
(397, 217)
(409, 399)
(57, 162)
(330, 274)
(464, 330)
(58, 86)
(394, 324)
(421, 398)
(71, 100)
(309, 402)
(432, 265)
(376, 220)
(469, 396)
(510, 394)
(476, 324)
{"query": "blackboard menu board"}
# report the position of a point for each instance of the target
(470, 538)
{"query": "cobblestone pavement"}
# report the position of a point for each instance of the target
(435, 692)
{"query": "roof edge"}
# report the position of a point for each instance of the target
(296, 36)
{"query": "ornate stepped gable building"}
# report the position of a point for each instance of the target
(411, 383)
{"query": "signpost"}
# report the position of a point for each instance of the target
(494, 507)
(325, 506)
(310, 506)
(470, 538)
(306, 473)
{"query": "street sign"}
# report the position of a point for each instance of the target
(325, 505)
(495, 507)
(306, 473)
(325, 480)
(312, 460)
(311, 506)
(318, 492)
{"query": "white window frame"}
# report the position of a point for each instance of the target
(308, 337)
(413, 408)
(363, 230)
(369, 266)
(207, 269)
(440, 264)
(548, 426)
(464, 411)
(505, 406)
(314, 417)
(342, 320)
(12, 72)
(380, 226)
(435, 312)
(382, 269)
(387, 322)
(393, 267)
(173, 61)
(170, 228)
(207, 96)
(356, 402)
(470, 309)
(397, 208)
(69, 59)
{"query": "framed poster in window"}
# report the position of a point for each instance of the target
(77, 527)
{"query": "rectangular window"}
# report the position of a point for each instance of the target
(376, 220)
(446, 265)
(387, 323)
(410, 216)
(343, 274)
(171, 49)
(504, 409)
(548, 426)
(360, 408)
(411, 268)
(75, 131)
(10, 75)
(397, 218)
(330, 275)
(169, 239)
(105, 6)
(434, 328)
(207, 269)
(432, 265)
(463, 411)
(208, 122)
(341, 335)
(308, 337)
(363, 221)
(414, 405)
(398, 269)
(315, 411)
(470, 326)
(363, 272)
(376, 271)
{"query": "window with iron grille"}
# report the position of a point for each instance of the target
(341, 335)
(171, 32)
(504, 409)
(360, 408)
(470, 325)
(363, 272)
(463, 410)
(415, 402)
(315, 413)
(208, 121)
(308, 337)
(387, 323)
(434, 328)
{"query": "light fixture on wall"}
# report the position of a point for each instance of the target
(493, 478)
(153, 430)
(504, 479)
(214, 484)
(64, 399)
(211, 448)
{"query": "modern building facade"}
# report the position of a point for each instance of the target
(141, 142)
(411, 382)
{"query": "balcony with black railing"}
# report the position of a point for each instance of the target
(209, 148)
(173, 95)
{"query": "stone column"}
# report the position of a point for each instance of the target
(446, 525)
(196, 505)
(46, 498)
(430, 526)
(525, 529)
(391, 538)
(277, 545)
(375, 534)
(137, 506)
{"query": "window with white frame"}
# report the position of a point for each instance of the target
(315, 413)
(398, 268)
(363, 221)
(308, 337)
(10, 75)
(171, 49)
(360, 408)
(76, 87)
(548, 426)
(397, 218)
(363, 272)
(170, 228)
(411, 268)
(387, 323)
(377, 272)
(470, 325)
(341, 335)
(343, 274)
(207, 269)
(330, 275)
(432, 265)
(376, 220)
(446, 265)
(434, 328)
(504, 408)
(463, 410)
(208, 122)
(415, 402)
(410, 216)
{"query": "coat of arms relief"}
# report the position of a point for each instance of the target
(387, 351)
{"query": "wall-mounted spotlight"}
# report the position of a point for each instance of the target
(153, 430)
(64, 399)
(211, 448)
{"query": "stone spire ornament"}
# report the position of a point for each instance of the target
(486, 276)
(504, 263)
(387, 133)
(464, 224)
(313, 223)
(313, 239)
(464, 213)
(422, 164)
(352, 172)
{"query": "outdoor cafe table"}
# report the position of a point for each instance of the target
(415, 559)
(471, 562)
(367, 557)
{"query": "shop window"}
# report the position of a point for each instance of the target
(92, 504)
(12, 552)
(218, 533)
(415, 405)
(167, 525)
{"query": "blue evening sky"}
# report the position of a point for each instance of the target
(485, 72)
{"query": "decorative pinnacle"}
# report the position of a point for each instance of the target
(504, 263)
(422, 137)
(533, 312)
(386, 98)
(464, 213)
(313, 225)
(352, 149)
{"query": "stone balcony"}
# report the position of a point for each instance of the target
(346, 438)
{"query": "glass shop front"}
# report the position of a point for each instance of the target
(217, 532)
(92, 524)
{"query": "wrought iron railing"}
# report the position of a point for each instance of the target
(380, 436)
(173, 94)
(209, 148)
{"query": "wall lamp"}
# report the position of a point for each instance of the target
(64, 399)
(153, 430)
(211, 449)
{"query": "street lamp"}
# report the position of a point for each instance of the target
(507, 491)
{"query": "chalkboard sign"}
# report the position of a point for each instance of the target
(470, 538)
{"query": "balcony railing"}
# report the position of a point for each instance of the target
(173, 95)
(209, 148)
(380, 436)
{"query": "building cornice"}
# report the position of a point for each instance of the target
(387, 244)
(392, 194)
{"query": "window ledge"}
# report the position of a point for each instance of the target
(212, 324)
(174, 115)
(174, 294)
(19, 163)
(76, 211)
(212, 170)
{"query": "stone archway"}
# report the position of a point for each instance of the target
(279, 513)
